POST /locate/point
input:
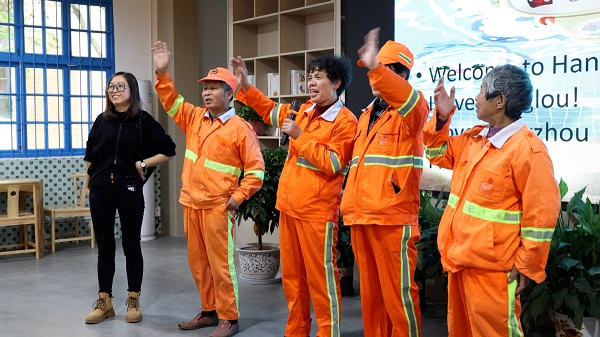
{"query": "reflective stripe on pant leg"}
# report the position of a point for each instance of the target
(330, 277)
(406, 283)
(230, 259)
(219, 247)
(514, 329)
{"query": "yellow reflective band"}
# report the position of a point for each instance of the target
(405, 58)
(335, 162)
(405, 285)
(410, 103)
(213, 165)
(330, 280)
(258, 173)
(495, 215)
(305, 163)
(513, 320)
(275, 115)
(436, 151)
(394, 162)
(453, 200)
(231, 259)
(189, 154)
(345, 170)
(537, 234)
(354, 162)
(178, 101)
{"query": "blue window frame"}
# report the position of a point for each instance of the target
(55, 57)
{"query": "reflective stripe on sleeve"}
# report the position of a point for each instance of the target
(410, 103)
(178, 101)
(189, 154)
(224, 168)
(436, 151)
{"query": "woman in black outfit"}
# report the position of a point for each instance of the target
(125, 144)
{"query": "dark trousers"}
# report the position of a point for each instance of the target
(107, 195)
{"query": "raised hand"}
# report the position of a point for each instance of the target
(161, 56)
(368, 51)
(240, 71)
(444, 103)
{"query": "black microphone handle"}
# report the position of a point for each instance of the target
(285, 138)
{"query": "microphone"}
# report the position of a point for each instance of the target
(285, 138)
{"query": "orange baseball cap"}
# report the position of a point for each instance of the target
(221, 74)
(393, 52)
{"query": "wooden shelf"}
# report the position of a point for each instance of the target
(278, 36)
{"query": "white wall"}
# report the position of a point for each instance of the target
(133, 37)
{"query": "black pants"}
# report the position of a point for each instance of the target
(107, 195)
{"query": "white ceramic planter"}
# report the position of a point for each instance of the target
(258, 264)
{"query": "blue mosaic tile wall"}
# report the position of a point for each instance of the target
(58, 190)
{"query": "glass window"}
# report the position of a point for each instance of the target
(52, 91)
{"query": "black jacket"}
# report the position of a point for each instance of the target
(123, 143)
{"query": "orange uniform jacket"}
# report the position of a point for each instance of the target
(390, 154)
(216, 152)
(504, 199)
(311, 181)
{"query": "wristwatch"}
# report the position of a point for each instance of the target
(143, 166)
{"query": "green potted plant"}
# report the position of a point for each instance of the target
(252, 117)
(429, 264)
(345, 259)
(572, 284)
(260, 209)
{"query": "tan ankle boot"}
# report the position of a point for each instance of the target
(134, 314)
(103, 309)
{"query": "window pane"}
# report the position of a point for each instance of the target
(79, 82)
(34, 81)
(9, 141)
(7, 101)
(79, 15)
(54, 42)
(98, 82)
(98, 45)
(35, 136)
(79, 44)
(97, 107)
(53, 14)
(33, 41)
(7, 11)
(97, 18)
(79, 109)
(35, 108)
(7, 39)
(79, 135)
(32, 12)
(56, 138)
(54, 81)
(55, 109)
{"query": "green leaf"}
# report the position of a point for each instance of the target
(594, 271)
(567, 263)
(562, 186)
(583, 285)
(538, 305)
(571, 301)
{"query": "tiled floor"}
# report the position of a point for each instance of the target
(50, 297)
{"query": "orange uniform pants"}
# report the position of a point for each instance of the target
(309, 272)
(209, 234)
(481, 303)
(387, 258)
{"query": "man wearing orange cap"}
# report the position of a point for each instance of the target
(381, 199)
(219, 146)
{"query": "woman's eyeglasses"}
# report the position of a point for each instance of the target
(118, 87)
